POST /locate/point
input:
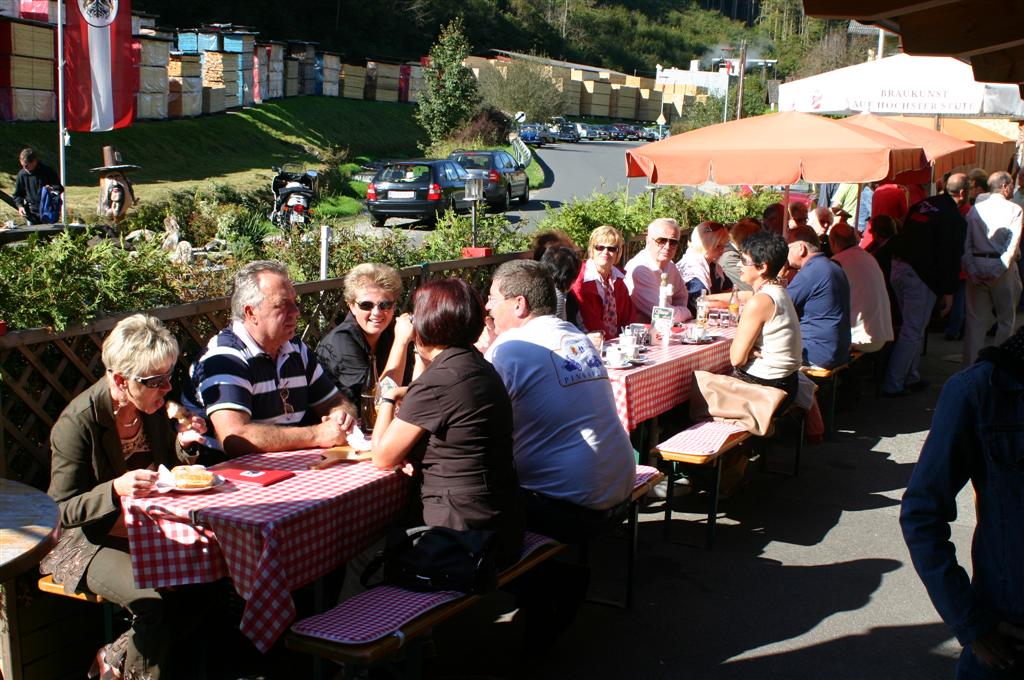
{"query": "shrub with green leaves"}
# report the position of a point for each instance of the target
(579, 217)
(301, 251)
(455, 232)
(61, 281)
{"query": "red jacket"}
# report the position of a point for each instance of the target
(592, 304)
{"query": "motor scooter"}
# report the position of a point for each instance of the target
(295, 190)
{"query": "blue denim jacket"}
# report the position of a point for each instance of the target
(978, 435)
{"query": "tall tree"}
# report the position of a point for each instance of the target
(450, 96)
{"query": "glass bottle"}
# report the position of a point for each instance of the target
(734, 306)
(665, 291)
(702, 309)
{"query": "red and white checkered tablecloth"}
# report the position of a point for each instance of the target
(649, 390)
(269, 540)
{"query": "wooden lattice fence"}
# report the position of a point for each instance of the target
(41, 371)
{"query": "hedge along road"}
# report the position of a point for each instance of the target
(570, 171)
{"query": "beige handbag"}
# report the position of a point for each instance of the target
(732, 400)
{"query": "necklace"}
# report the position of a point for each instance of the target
(129, 425)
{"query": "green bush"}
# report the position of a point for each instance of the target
(579, 217)
(301, 251)
(455, 232)
(61, 281)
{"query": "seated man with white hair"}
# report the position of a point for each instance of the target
(870, 312)
(261, 387)
(643, 272)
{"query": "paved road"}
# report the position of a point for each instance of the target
(577, 171)
(571, 171)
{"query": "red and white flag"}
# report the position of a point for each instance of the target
(98, 77)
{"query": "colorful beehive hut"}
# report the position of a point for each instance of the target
(26, 71)
(184, 85)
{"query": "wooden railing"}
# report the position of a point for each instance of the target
(41, 370)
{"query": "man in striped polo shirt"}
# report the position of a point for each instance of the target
(261, 387)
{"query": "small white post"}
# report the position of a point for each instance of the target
(325, 245)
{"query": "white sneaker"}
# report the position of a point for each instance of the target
(660, 490)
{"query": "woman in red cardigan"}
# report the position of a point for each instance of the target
(604, 299)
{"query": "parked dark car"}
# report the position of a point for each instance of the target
(506, 177)
(536, 134)
(614, 133)
(567, 133)
(628, 131)
(420, 189)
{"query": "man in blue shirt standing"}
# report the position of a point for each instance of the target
(821, 295)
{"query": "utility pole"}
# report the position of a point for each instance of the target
(739, 88)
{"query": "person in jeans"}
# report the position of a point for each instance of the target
(976, 436)
(925, 264)
(991, 249)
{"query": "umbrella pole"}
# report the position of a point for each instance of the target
(785, 214)
(856, 211)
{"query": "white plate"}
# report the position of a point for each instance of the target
(625, 364)
(217, 481)
(401, 194)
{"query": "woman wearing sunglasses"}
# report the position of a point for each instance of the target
(768, 347)
(605, 304)
(699, 264)
(357, 353)
(107, 444)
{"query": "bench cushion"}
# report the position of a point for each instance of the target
(705, 438)
(644, 474)
(384, 610)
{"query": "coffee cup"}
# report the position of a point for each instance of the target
(613, 355)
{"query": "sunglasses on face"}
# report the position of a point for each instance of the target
(383, 305)
(747, 262)
(154, 382)
(611, 249)
(662, 240)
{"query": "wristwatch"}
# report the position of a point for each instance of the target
(387, 400)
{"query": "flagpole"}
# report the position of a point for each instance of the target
(60, 107)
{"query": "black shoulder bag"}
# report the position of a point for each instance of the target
(427, 559)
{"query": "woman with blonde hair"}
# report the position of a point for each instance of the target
(107, 444)
(370, 342)
(699, 265)
(604, 300)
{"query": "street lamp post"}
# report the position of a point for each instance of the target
(474, 193)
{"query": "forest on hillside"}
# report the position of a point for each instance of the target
(627, 35)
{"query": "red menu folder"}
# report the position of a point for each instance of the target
(253, 475)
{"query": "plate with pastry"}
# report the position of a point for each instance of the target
(194, 478)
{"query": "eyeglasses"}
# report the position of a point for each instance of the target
(601, 247)
(661, 240)
(747, 262)
(154, 382)
(383, 305)
(282, 391)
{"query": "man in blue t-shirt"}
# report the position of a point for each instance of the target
(261, 387)
(821, 295)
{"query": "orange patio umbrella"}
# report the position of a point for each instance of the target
(777, 148)
(943, 151)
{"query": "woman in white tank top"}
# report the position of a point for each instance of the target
(768, 347)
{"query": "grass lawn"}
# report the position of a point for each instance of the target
(237, 148)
